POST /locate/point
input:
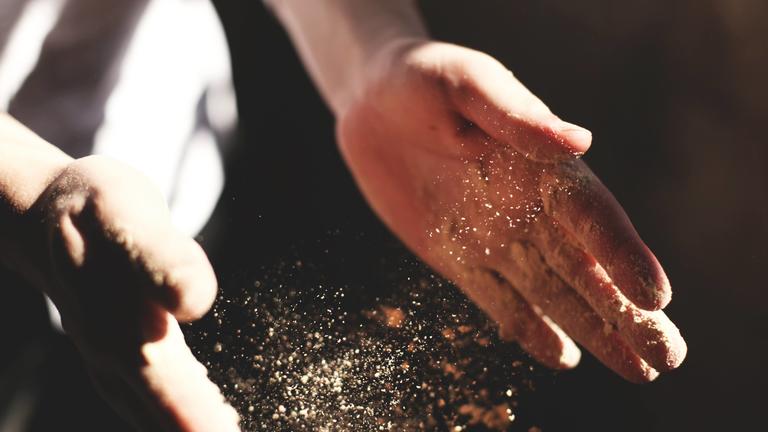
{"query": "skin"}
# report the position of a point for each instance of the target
(96, 237)
(475, 175)
(466, 166)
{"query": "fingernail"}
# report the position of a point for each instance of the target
(571, 355)
(579, 138)
(570, 127)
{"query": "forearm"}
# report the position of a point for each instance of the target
(27, 166)
(336, 38)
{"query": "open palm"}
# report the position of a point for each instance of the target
(480, 179)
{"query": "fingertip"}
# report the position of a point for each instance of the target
(504, 109)
(552, 347)
(654, 338)
(635, 370)
(562, 357)
(675, 349)
(661, 296)
(677, 352)
(227, 418)
(663, 290)
(650, 299)
(576, 140)
(654, 283)
(571, 355)
(680, 352)
(197, 301)
(191, 286)
(553, 141)
(643, 280)
(646, 375)
(232, 419)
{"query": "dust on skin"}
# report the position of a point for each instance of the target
(491, 215)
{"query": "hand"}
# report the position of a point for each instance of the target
(121, 278)
(480, 179)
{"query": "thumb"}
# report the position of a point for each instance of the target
(124, 237)
(495, 101)
(182, 277)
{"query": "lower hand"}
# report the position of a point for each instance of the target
(122, 279)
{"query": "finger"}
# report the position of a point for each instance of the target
(124, 400)
(576, 199)
(125, 211)
(173, 269)
(535, 282)
(517, 321)
(651, 334)
(168, 391)
(183, 278)
(494, 100)
(172, 380)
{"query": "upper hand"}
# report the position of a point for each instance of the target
(122, 279)
(480, 179)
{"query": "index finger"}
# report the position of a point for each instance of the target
(576, 199)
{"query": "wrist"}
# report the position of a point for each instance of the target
(337, 39)
(385, 55)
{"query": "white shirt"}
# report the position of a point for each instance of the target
(146, 82)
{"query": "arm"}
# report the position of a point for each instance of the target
(96, 237)
(347, 44)
(27, 166)
(337, 38)
(479, 179)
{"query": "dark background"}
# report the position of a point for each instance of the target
(676, 97)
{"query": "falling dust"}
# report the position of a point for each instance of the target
(294, 354)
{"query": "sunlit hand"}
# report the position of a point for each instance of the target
(480, 179)
(121, 277)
